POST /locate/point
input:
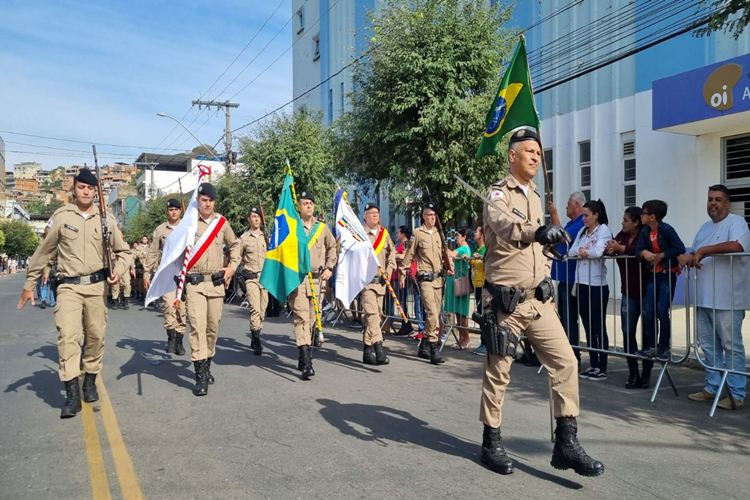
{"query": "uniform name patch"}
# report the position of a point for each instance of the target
(519, 213)
(68, 226)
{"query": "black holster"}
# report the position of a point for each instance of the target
(217, 278)
(504, 298)
(545, 290)
(497, 338)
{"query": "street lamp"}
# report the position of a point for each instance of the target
(164, 115)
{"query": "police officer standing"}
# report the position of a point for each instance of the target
(205, 284)
(323, 256)
(74, 239)
(174, 316)
(517, 300)
(254, 245)
(121, 291)
(372, 295)
(433, 264)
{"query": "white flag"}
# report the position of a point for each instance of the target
(357, 264)
(173, 253)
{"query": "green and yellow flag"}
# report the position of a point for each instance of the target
(287, 259)
(513, 106)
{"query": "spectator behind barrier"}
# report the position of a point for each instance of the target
(658, 246)
(477, 277)
(591, 284)
(564, 271)
(454, 302)
(722, 296)
(633, 278)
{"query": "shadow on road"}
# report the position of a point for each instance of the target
(149, 359)
(44, 383)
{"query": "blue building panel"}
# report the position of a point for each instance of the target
(709, 92)
(325, 56)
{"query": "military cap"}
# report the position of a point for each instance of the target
(207, 189)
(86, 176)
(372, 205)
(429, 206)
(524, 134)
(304, 195)
(254, 210)
(174, 203)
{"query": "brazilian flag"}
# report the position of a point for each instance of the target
(513, 106)
(287, 259)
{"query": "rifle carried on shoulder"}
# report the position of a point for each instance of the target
(103, 217)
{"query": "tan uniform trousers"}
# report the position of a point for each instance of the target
(257, 298)
(432, 301)
(372, 307)
(541, 325)
(304, 313)
(174, 317)
(81, 319)
(124, 284)
(204, 307)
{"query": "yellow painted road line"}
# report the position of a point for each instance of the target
(99, 482)
(130, 487)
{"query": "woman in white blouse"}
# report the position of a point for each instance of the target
(591, 283)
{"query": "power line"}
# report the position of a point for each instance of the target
(81, 142)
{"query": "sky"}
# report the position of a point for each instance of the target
(98, 72)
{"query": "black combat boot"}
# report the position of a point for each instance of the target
(634, 380)
(368, 357)
(171, 342)
(201, 378)
(179, 349)
(435, 357)
(72, 399)
(493, 451)
(424, 349)
(124, 303)
(380, 357)
(301, 359)
(645, 381)
(568, 453)
(255, 344)
(307, 368)
(209, 378)
(90, 395)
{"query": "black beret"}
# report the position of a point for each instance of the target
(174, 203)
(306, 196)
(429, 206)
(254, 210)
(524, 134)
(374, 205)
(86, 176)
(207, 189)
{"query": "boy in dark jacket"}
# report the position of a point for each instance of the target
(658, 246)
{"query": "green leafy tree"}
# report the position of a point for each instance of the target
(2, 241)
(20, 238)
(421, 99)
(302, 140)
(731, 16)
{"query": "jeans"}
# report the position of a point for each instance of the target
(656, 306)
(720, 338)
(593, 303)
(630, 311)
(47, 295)
(567, 308)
(418, 312)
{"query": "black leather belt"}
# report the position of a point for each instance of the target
(196, 278)
(315, 274)
(96, 277)
(249, 276)
(428, 275)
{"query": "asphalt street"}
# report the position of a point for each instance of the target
(406, 430)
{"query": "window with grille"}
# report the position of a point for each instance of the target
(736, 172)
(584, 161)
(316, 47)
(301, 19)
(628, 169)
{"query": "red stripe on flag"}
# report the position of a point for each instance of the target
(199, 253)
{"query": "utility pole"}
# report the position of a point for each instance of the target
(151, 165)
(227, 106)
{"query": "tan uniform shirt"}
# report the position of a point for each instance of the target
(323, 253)
(386, 257)
(253, 250)
(76, 243)
(212, 259)
(513, 258)
(427, 249)
(155, 249)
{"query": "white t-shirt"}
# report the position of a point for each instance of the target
(591, 270)
(719, 278)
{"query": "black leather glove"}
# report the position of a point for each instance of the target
(549, 235)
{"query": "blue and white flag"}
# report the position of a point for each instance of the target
(357, 264)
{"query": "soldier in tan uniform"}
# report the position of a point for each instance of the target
(139, 258)
(74, 239)
(433, 264)
(517, 300)
(323, 256)
(121, 292)
(254, 245)
(174, 316)
(205, 285)
(372, 295)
